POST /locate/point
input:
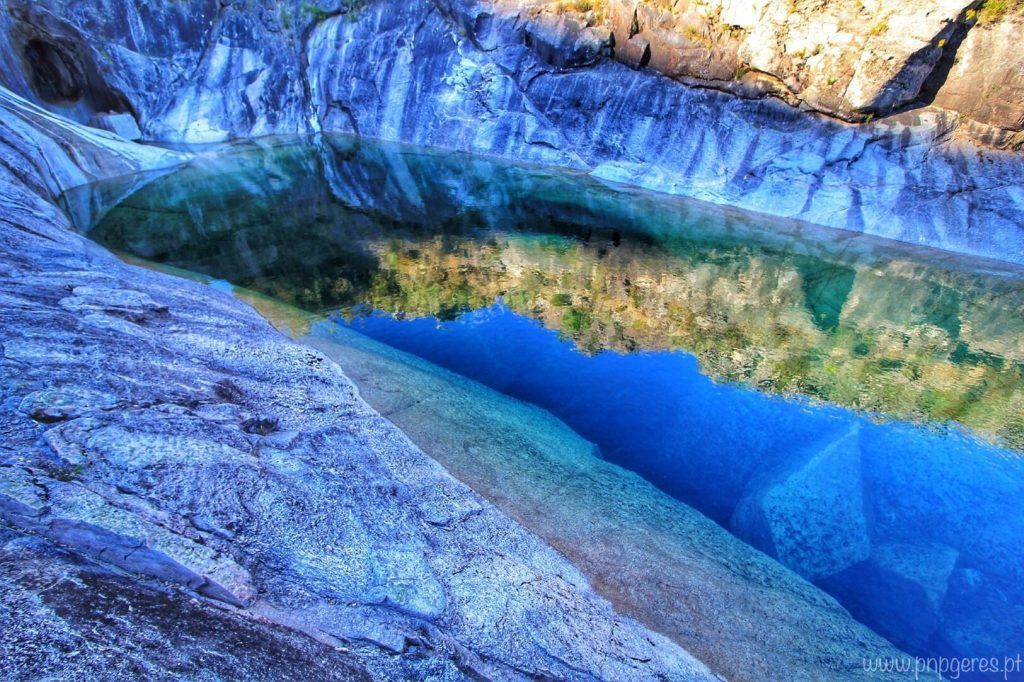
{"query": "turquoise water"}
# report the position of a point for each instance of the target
(851, 407)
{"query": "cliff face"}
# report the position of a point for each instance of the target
(213, 69)
(564, 84)
(401, 72)
(985, 80)
(853, 60)
(169, 63)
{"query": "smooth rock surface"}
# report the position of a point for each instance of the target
(123, 125)
(183, 439)
(985, 80)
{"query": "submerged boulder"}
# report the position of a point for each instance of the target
(900, 590)
(975, 602)
(811, 517)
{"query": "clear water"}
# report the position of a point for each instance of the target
(851, 407)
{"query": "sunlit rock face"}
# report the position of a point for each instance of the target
(984, 82)
(853, 60)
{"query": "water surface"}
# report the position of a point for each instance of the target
(852, 407)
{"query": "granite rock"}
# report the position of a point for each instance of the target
(167, 431)
(711, 101)
(811, 517)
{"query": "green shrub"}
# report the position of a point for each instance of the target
(318, 13)
(880, 27)
(575, 320)
(993, 10)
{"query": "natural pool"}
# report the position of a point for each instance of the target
(851, 407)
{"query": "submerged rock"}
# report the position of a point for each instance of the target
(901, 591)
(811, 518)
(973, 599)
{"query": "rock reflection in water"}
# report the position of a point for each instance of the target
(780, 307)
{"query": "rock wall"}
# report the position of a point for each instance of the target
(853, 60)
(533, 81)
(402, 72)
(229, 68)
(197, 71)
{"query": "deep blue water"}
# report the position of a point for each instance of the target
(908, 527)
(651, 411)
